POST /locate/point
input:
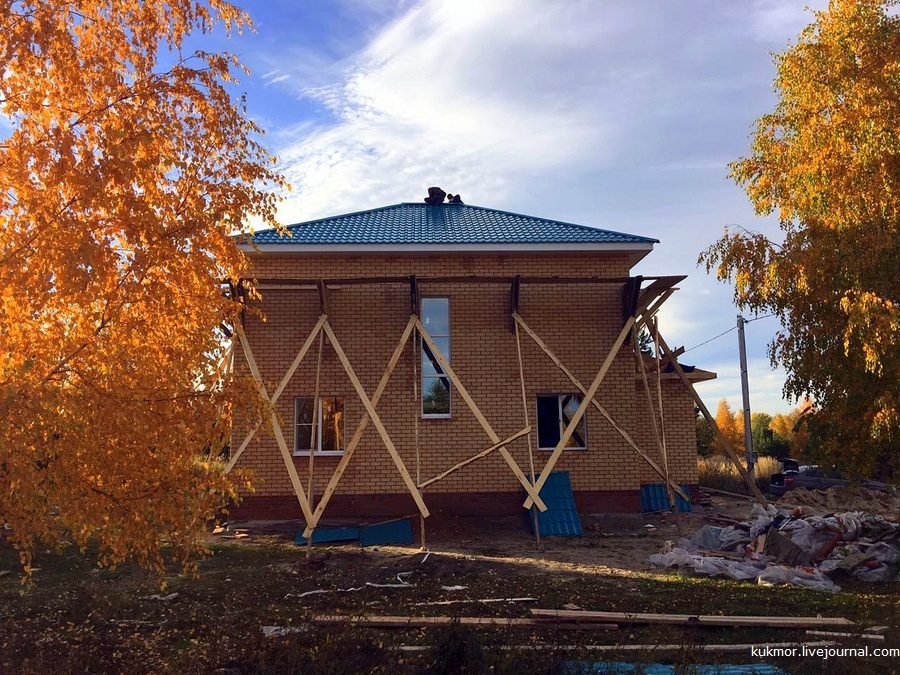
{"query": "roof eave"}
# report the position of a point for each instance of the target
(634, 248)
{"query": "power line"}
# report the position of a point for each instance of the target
(726, 332)
(710, 339)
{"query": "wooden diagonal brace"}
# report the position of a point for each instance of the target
(576, 418)
(360, 428)
(625, 435)
(376, 420)
(276, 428)
(483, 453)
(278, 391)
(715, 427)
(534, 497)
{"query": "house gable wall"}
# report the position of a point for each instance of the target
(579, 322)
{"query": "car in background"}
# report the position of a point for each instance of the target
(812, 477)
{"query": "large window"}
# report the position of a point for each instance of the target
(554, 412)
(435, 383)
(328, 413)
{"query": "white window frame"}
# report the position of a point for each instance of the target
(304, 452)
(559, 412)
(422, 376)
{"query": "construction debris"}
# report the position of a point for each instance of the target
(785, 546)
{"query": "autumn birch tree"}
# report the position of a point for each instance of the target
(125, 167)
(826, 162)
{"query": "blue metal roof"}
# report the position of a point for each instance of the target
(561, 517)
(412, 223)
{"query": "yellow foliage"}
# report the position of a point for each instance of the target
(826, 161)
(127, 168)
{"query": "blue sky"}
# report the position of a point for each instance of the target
(617, 114)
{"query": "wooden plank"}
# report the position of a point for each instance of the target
(276, 429)
(694, 619)
(281, 386)
(464, 394)
(376, 420)
(360, 428)
(483, 453)
(296, 363)
(715, 427)
(237, 454)
(574, 380)
(576, 418)
(427, 621)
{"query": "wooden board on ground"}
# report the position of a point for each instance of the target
(426, 621)
(694, 619)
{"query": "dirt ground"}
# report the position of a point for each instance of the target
(250, 608)
(613, 543)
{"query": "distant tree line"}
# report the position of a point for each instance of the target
(782, 435)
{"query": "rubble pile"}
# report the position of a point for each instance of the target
(784, 545)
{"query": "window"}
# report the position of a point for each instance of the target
(435, 384)
(329, 413)
(554, 412)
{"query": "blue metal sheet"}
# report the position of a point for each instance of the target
(653, 498)
(383, 534)
(418, 223)
(324, 535)
(561, 517)
(623, 668)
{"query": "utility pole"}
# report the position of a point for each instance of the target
(745, 394)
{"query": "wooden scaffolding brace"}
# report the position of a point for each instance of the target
(643, 306)
(311, 516)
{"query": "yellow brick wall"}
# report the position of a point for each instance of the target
(578, 322)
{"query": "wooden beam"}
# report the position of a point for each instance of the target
(323, 297)
(237, 454)
(360, 428)
(694, 619)
(574, 380)
(653, 419)
(427, 621)
(413, 295)
(281, 386)
(296, 362)
(483, 453)
(376, 420)
(576, 418)
(464, 394)
(726, 445)
(276, 428)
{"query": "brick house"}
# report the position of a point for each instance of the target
(432, 357)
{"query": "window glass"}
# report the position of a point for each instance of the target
(435, 384)
(430, 364)
(435, 396)
(554, 412)
(329, 425)
(436, 315)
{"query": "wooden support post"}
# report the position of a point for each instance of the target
(574, 380)
(313, 438)
(576, 418)
(474, 458)
(662, 419)
(515, 312)
(276, 428)
(640, 364)
(726, 445)
(464, 394)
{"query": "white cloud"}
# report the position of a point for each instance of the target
(621, 115)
